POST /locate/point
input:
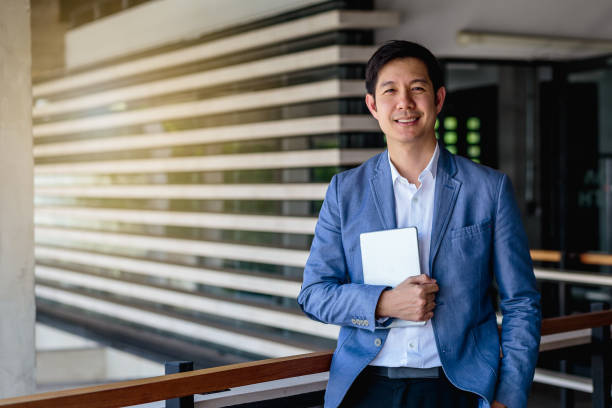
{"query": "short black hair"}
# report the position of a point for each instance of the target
(397, 49)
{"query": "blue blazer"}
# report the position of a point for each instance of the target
(477, 236)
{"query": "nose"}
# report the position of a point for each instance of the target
(405, 101)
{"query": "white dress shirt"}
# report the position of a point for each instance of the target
(413, 346)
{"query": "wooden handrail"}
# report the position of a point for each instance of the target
(545, 255)
(176, 385)
(576, 321)
(235, 375)
(596, 259)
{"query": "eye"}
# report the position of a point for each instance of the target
(418, 89)
(388, 91)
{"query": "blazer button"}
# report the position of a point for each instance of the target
(377, 342)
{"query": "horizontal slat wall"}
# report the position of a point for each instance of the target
(269, 130)
(249, 253)
(251, 344)
(248, 71)
(273, 97)
(218, 278)
(332, 20)
(178, 194)
(226, 309)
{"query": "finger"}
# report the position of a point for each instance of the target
(430, 288)
(422, 292)
(422, 278)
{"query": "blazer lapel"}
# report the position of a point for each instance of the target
(447, 189)
(382, 192)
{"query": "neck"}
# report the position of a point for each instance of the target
(411, 159)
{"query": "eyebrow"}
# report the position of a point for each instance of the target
(418, 80)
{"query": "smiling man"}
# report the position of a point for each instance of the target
(469, 235)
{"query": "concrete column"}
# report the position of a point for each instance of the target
(518, 142)
(17, 308)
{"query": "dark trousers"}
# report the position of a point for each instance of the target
(371, 390)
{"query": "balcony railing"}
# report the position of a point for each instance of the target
(556, 332)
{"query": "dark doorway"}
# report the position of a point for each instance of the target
(468, 124)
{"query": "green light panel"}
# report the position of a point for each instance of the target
(450, 123)
(473, 123)
(473, 151)
(452, 149)
(450, 138)
(437, 125)
(473, 137)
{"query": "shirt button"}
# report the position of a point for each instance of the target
(411, 345)
(377, 342)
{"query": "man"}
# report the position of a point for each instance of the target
(469, 233)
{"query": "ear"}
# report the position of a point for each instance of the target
(440, 96)
(371, 104)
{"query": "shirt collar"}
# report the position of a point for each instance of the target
(432, 166)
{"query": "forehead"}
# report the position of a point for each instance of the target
(403, 70)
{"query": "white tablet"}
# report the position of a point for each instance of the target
(388, 258)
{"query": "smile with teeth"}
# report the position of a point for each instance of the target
(407, 120)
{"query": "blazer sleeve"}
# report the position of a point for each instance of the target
(520, 301)
(327, 293)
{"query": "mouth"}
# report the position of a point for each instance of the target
(407, 121)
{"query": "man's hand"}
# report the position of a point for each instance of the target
(497, 404)
(413, 300)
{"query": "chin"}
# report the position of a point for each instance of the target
(406, 139)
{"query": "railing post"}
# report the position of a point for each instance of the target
(173, 367)
(600, 361)
(565, 308)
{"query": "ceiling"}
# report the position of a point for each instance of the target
(436, 23)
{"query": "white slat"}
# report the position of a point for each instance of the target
(250, 253)
(247, 161)
(563, 340)
(224, 279)
(304, 191)
(563, 380)
(573, 276)
(174, 325)
(283, 224)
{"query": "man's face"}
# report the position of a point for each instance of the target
(406, 105)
